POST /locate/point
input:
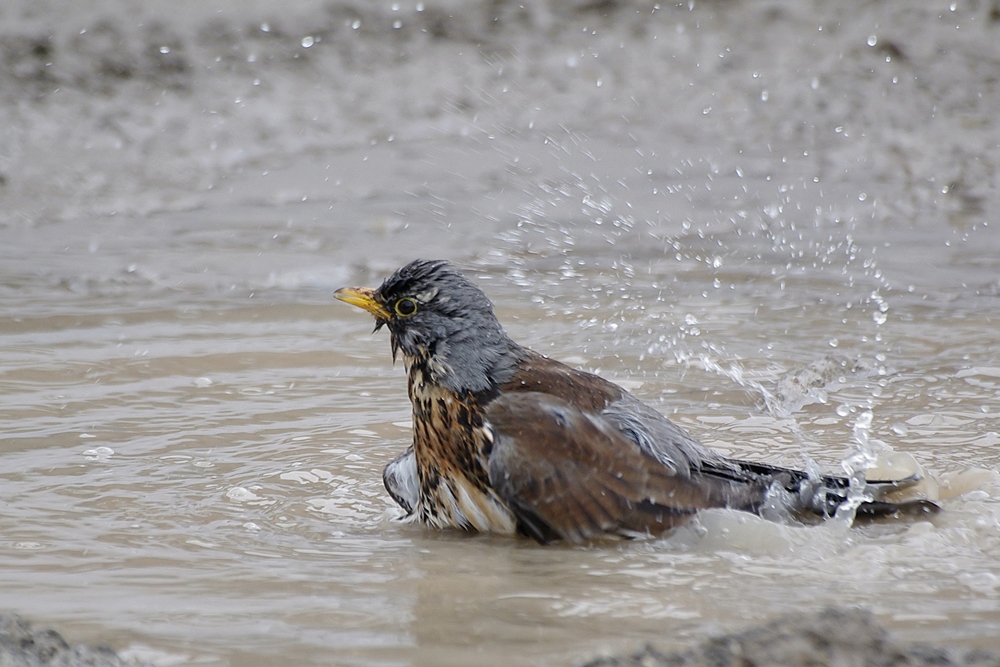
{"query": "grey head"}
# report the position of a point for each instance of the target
(438, 318)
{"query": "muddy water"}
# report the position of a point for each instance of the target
(194, 431)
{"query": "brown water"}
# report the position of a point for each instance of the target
(194, 431)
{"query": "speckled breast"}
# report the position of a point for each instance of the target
(452, 456)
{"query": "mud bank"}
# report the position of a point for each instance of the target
(834, 636)
(114, 107)
(22, 645)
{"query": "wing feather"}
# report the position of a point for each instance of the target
(571, 474)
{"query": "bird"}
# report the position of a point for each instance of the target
(509, 441)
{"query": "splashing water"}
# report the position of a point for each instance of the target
(855, 467)
(735, 372)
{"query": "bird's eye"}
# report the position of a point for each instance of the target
(405, 307)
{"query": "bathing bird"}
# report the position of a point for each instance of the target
(507, 440)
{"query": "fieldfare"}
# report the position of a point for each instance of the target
(507, 440)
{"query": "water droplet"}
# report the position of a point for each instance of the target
(814, 84)
(397, 24)
(862, 196)
(872, 40)
(834, 342)
(356, 24)
(764, 95)
(265, 27)
(164, 49)
(307, 41)
(843, 410)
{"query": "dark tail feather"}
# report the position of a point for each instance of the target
(822, 495)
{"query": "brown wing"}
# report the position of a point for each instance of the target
(666, 450)
(656, 435)
(583, 390)
(567, 474)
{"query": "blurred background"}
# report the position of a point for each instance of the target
(775, 221)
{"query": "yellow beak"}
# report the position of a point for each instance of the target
(363, 297)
